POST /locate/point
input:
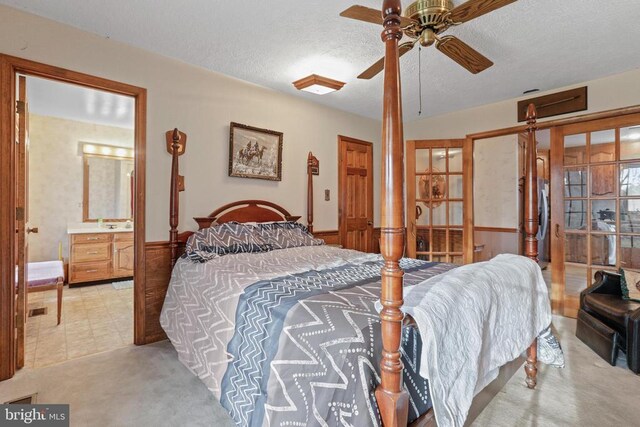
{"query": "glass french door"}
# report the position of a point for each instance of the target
(435, 200)
(600, 191)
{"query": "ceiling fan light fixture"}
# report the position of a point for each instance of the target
(318, 85)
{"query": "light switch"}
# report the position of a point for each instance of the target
(327, 195)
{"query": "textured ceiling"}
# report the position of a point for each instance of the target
(543, 44)
(68, 101)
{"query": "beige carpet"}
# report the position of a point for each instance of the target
(141, 386)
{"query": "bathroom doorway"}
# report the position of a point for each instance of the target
(78, 216)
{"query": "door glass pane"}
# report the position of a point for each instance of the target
(575, 214)
(603, 249)
(630, 251)
(440, 258)
(455, 159)
(455, 186)
(423, 183)
(575, 182)
(455, 240)
(422, 214)
(575, 248)
(576, 279)
(603, 180)
(630, 143)
(439, 160)
(630, 179)
(422, 240)
(438, 187)
(440, 213)
(603, 215)
(455, 213)
(630, 216)
(603, 146)
(422, 160)
(456, 260)
(575, 149)
(439, 240)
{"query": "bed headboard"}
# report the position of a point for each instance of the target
(246, 211)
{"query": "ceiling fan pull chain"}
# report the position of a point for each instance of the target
(420, 78)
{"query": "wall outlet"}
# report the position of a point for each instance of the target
(327, 195)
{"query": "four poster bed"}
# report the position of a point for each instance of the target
(211, 302)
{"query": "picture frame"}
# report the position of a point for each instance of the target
(254, 152)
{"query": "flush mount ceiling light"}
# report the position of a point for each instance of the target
(318, 84)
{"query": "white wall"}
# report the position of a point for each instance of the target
(495, 189)
(56, 177)
(493, 162)
(202, 103)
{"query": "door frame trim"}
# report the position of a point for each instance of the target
(342, 141)
(10, 66)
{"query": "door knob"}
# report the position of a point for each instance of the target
(369, 222)
(32, 230)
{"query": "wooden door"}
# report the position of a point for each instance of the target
(595, 170)
(355, 193)
(438, 181)
(22, 216)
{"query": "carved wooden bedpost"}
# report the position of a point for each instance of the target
(176, 145)
(393, 400)
(531, 222)
(312, 162)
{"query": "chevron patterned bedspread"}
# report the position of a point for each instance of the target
(290, 337)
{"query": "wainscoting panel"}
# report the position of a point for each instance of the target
(158, 273)
(330, 237)
(493, 241)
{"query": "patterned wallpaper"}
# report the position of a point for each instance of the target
(55, 178)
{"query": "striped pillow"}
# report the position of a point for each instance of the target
(223, 239)
(285, 234)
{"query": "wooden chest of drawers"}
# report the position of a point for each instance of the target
(100, 256)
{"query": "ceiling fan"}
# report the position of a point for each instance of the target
(425, 20)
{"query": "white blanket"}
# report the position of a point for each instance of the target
(501, 306)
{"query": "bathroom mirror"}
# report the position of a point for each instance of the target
(108, 188)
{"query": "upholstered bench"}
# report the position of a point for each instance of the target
(45, 276)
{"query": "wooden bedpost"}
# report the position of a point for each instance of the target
(531, 222)
(176, 145)
(393, 400)
(312, 162)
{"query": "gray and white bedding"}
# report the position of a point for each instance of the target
(289, 337)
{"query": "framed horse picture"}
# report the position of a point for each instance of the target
(255, 153)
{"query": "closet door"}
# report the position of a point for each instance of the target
(597, 178)
(436, 175)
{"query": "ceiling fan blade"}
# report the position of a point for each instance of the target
(374, 16)
(362, 13)
(376, 68)
(475, 8)
(463, 54)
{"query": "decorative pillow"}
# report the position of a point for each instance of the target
(223, 239)
(630, 283)
(286, 234)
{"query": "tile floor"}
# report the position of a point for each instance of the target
(95, 318)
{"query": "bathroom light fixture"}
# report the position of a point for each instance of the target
(107, 150)
(318, 84)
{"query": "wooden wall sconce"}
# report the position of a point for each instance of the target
(313, 168)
